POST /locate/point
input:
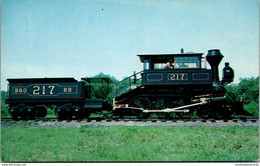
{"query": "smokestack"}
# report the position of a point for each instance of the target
(214, 57)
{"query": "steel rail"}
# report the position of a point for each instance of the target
(249, 119)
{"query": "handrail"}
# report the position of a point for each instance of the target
(135, 79)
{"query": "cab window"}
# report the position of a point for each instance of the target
(186, 62)
(159, 66)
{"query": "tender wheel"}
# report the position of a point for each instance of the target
(41, 111)
(63, 113)
(31, 113)
(86, 114)
(78, 114)
(14, 114)
(26, 113)
(58, 113)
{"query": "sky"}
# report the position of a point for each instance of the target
(81, 38)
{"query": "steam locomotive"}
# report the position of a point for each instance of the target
(170, 85)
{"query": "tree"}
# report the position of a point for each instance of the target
(102, 89)
(247, 90)
(250, 89)
(4, 107)
(108, 91)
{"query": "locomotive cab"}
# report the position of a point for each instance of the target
(173, 69)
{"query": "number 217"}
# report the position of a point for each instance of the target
(178, 76)
(37, 89)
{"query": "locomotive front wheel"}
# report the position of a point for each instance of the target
(229, 112)
(204, 112)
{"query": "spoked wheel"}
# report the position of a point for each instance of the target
(28, 115)
(86, 114)
(204, 112)
(62, 113)
(161, 104)
(229, 112)
(41, 111)
(78, 113)
(14, 114)
(182, 101)
(141, 102)
(58, 113)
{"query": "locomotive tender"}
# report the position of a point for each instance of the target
(169, 85)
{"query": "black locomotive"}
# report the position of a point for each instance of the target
(170, 85)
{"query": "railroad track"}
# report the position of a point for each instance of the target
(94, 122)
(251, 119)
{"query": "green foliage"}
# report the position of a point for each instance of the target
(253, 108)
(4, 107)
(84, 144)
(107, 91)
(248, 90)
(126, 81)
(50, 111)
(104, 90)
(102, 75)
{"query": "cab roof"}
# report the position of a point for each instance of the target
(163, 58)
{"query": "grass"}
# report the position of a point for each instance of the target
(86, 144)
(18, 123)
